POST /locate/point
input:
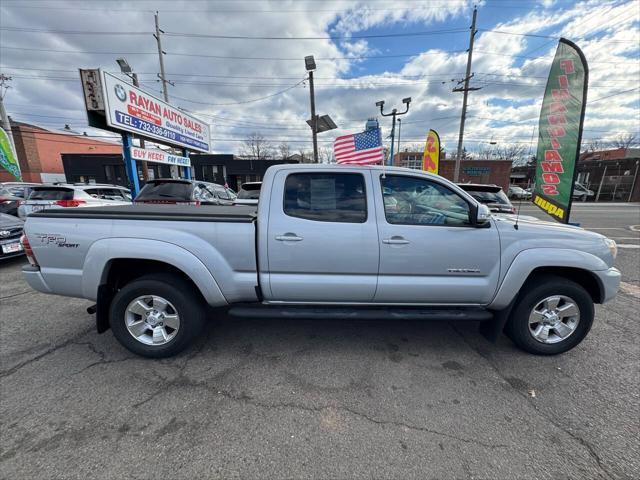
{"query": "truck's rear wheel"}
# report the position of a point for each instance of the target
(157, 315)
(552, 316)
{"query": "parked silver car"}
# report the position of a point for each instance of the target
(518, 193)
(46, 197)
(249, 194)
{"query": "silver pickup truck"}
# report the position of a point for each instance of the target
(324, 242)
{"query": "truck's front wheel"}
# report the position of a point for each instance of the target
(157, 315)
(552, 316)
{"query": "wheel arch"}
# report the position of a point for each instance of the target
(575, 265)
(585, 278)
(133, 257)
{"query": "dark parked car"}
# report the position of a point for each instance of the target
(9, 203)
(185, 192)
(10, 233)
(491, 195)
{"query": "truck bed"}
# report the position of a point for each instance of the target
(185, 213)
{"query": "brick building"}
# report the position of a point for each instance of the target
(40, 150)
(612, 174)
(471, 171)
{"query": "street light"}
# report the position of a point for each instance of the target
(124, 65)
(310, 65)
(323, 123)
(393, 114)
(128, 71)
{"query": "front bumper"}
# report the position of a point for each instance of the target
(610, 282)
(34, 278)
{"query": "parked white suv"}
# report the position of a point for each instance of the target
(45, 197)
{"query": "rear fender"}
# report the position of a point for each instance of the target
(95, 269)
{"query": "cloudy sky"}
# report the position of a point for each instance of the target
(239, 64)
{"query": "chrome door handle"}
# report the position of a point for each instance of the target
(289, 237)
(395, 241)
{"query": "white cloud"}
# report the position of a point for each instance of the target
(506, 107)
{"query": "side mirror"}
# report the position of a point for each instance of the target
(482, 214)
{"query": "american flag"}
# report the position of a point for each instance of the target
(359, 148)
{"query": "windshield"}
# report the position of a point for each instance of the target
(249, 194)
(490, 197)
(160, 190)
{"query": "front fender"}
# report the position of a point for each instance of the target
(528, 260)
(106, 250)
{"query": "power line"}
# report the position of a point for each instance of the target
(234, 37)
(243, 101)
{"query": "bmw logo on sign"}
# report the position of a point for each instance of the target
(121, 93)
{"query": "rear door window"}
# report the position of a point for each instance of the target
(326, 197)
(51, 193)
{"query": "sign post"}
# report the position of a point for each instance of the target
(130, 164)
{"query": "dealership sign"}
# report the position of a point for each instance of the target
(117, 105)
(158, 156)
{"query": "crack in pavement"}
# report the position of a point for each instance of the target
(54, 348)
(17, 294)
(103, 358)
(182, 380)
(585, 444)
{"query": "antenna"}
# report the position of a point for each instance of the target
(515, 225)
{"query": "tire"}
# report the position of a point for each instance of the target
(180, 317)
(522, 326)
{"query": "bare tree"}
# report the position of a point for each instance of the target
(595, 145)
(284, 151)
(256, 147)
(515, 152)
(305, 157)
(624, 141)
(325, 155)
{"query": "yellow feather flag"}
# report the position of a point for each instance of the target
(431, 155)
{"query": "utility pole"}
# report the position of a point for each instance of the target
(163, 78)
(6, 125)
(161, 75)
(465, 90)
(399, 132)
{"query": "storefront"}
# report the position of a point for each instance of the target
(218, 168)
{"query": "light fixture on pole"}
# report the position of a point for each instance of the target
(318, 124)
(310, 65)
(394, 113)
(128, 71)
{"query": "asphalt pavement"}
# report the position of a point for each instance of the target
(321, 399)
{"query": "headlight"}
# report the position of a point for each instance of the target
(613, 247)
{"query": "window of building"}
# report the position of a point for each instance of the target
(326, 197)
